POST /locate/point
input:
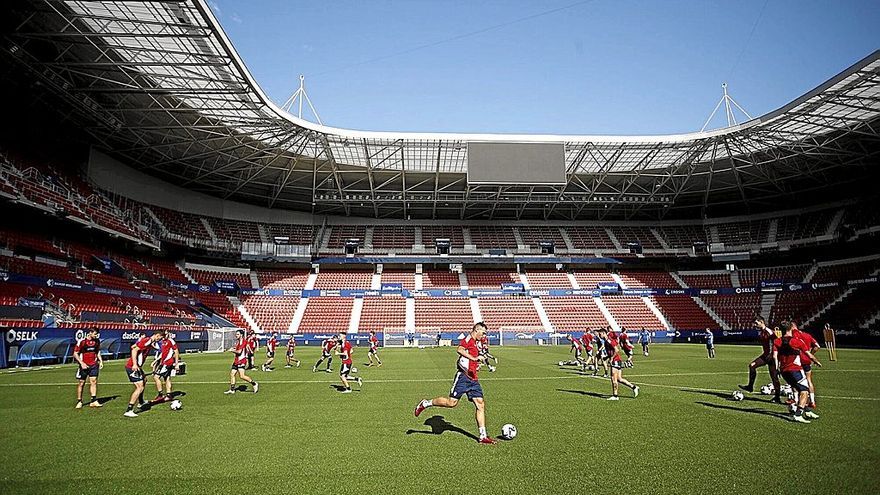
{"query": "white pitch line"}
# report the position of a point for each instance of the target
(725, 391)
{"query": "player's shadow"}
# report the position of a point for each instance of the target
(438, 425)
(104, 400)
(721, 395)
(752, 410)
(595, 395)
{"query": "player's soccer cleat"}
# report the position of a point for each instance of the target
(79, 405)
(159, 398)
(487, 441)
(379, 365)
(800, 419)
(256, 387)
(130, 414)
(288, 366)
(811, 415)
(635, 391)
(360, 381)
(419, 408)
(328, 370)
(613, 397)
(314, 369)
(346, 391)
(747, 388)
(95, 404)
(230, 391)
(297, 364)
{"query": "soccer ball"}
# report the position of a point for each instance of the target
(508, 432)
(176, 405)
(792, 408)
(737, 395)
(354, 370)
(767, 389)
(561, 363)
(785, 389)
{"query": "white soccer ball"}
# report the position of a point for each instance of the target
(354, 370)
(785, 389)
(767, 389)
(176, 405)
(737, 395)
(508, 432)
(792, 408)
(561, 363)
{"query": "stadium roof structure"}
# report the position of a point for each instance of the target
(158, 85)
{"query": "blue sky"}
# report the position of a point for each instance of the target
(561, 67)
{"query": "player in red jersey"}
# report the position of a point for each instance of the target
(806, 361)
(139, 352)
(326, 349)
(344, 352)
(466, 381)
(87, 354)
(291, 353)
(240, 362)
(766, 336)
(578, 348)
(627, 348)
(589, 350)
(166, 362)
(253, 343)
(484, 351)
(611, 343)
(374, 349)
(271, 345)
(787, 351)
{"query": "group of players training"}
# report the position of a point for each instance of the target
(601, 348)
(790, 353)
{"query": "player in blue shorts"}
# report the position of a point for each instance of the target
(644, 339)
(466, 382)
(710, 343)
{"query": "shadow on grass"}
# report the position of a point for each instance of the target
(438, 425)
(723, 395)
(595, 395)
(104, 400)
(752, 410)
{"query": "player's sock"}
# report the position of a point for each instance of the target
(483, 432)
(812, 399)
(130, 407)
(94, 398)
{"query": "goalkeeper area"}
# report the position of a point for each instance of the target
(683, 434)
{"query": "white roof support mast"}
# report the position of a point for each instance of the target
(728, 109)
(297, 99)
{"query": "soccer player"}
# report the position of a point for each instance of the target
(466, 381)
(601, 352)
(374, 349)
(484, 351)
(326, 348)
(710, 343)
(87, 353)
(253, 343)
(644, 339)
(611, 344)
(627, 348)
(587, 342)
(787, 351)
(577, 347)
(806, 362)
(291, 352)
(344, 353)
(271, 344)
(166, 362)
(766, 336)
(240, 362)
(133, 369)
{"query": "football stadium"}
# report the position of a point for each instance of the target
(209, 290)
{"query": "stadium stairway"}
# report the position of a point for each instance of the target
(607, 314)
(568, 244)
(702, 304)
(836, 301)
(767, 302)
(302, 304)
(255, 282)
(660, 239)
(614, 241)
(539, 307)
(646, 300)
(236, 303)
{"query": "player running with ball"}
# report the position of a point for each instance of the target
(344, 353)
(135, 374)
(787, 351)
(466, 381)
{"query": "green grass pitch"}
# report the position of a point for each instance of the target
(299, 435)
